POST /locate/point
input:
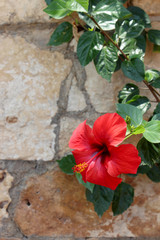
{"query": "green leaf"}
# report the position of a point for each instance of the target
(154, 36)
(156, 117)
(134, 113)
(107, 12)
(127, 44)
(127, 92)
(140, 16)
(141, 102)
(87, 185)
(66, 164)
(123, 198)
(143, 169)
(151, 75)
(141, 43)
(106, 60)
(129, 29)
(154, 173)
(48, 1)
(122, 1)
(157, 109)
(133, 69)
(89, 45)
(156, 48)
(152, 131)
(138, 130)
(149, 152)
(57, 9)
(63, 33)
(101, 198)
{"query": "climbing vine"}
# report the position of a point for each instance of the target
(113, 36)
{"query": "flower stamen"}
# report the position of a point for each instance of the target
(80, 167)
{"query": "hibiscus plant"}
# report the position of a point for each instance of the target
(113, 35)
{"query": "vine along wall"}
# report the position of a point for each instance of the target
(44, 95)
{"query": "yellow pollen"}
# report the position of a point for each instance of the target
(80, 167)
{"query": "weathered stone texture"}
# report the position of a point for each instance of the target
(22, 11)
(151, 7)
(56, 202)
(5, 184)
(67, 126)
(30, 81)
(99, 90)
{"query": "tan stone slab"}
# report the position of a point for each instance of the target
(67, 126)
(5, 184)
(12, 12)
(151, 7)
(54, 204)
(99, 90)
(30, 80)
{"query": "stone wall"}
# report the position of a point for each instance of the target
(44, 95)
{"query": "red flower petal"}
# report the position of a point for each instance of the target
(82, 138)
(123, 159)
(97, 173)
(110, 129)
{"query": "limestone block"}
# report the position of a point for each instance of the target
(67, 126)
(54, 204)
(76, 100)
(5, 184)
(22, 11)
(151, 7)
(30, 81)
(99, 90)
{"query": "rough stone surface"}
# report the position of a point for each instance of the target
(5, 184)
(76, 101)
(67, 126)
(99, 90)
(22, 11)
(29, 90)
(54, 200)
(152, 8)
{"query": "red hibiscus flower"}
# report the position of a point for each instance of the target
(98, 158)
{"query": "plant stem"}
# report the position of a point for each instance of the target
(153, 91)
(107, 36)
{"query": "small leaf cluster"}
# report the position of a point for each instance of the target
(101, 197)
(114, 37)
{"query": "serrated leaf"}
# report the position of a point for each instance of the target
(140, 16)
(152, 131)
(129, 29)
(149, 152)
(133, 69)
(88, 185)
(62, 34)
(105, 62)
(107, 12)
(66, 164)
(123, 198)
(101, 198)
(89, 45)
(141, 102)
(154, 173)
(57, 9)
(154, 36)
(134, 113)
